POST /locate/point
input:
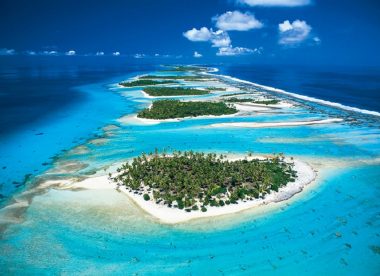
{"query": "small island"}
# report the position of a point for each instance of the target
(174, 91)
(186, 77)
(194, 181)
(186, 68)
(144, 83)
(170, 109)
(245, 100)
(216, 88)
(235, 94)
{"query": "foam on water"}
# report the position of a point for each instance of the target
(305, 98)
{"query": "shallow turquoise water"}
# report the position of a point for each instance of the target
(330, 229)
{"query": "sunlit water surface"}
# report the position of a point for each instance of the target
(331, 228)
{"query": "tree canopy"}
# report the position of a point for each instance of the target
(170, 109)
(192, 181)
(144, 83)
(174, 91)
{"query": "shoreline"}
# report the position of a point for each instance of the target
(242, 110)
(164, 214)
(302, 97)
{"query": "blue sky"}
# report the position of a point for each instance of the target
(263, 31)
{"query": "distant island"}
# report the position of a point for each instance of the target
(170, 109)
(193, 181)
(174, 91)
(144, 83)
(266, 102)
(186, 68)
(185, 77)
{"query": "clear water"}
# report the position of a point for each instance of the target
(332, 228)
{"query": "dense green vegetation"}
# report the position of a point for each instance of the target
(193, 181)
(188, 78)
(169, 109)
(174, 91)
(237, 100)
(144, 83)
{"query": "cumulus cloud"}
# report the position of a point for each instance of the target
(70, 53)
(116, 54)
(31, 53)
(221, 39)
(7, 52)
(237, 51)
(197, 55)
(218, 38)
(203, 34)
(275, 3)
(99, 54)
(139, 56)
(237, 21)
(293, 33)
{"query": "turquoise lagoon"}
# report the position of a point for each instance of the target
(331, 228)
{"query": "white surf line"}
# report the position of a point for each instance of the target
(276, 124)
(302, 97)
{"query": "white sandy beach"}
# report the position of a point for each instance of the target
(134, 120)
(305, 175)
(252, 107)
(242, 112)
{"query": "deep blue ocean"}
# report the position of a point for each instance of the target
(353, 86)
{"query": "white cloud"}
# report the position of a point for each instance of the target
(139, 56)
(237, 51)
(116, 54)
(70, 53)
(293, 33)
(197, 55)
(7, 52)
(220, 39)
(49, 53)
(203, 34)
(99, 53)
(275, 3)
(31, 53)
(237, 21)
